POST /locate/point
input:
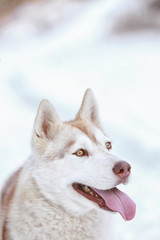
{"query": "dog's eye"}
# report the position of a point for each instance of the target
(108, 145)
(81, 153)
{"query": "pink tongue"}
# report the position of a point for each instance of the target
(118, 201)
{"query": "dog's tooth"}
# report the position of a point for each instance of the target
(86, 189)
(96, 196)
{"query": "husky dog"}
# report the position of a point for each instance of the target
(67, 188)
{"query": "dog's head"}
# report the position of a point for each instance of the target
(73, 163)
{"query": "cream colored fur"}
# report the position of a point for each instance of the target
(43, 204)
(33, 217)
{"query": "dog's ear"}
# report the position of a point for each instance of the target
(89, 108)
(47, 121)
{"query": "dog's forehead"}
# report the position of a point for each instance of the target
(74, 135)
(95, 134)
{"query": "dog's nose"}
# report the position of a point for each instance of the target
(122, 169)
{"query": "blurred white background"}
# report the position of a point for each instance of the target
(56, 49)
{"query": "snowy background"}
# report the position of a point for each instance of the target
(56, 50)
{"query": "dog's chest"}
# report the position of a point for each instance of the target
(35, 219)
(54, 224)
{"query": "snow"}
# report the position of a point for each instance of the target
(59, 64)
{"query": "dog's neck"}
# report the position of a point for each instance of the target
(44, 220)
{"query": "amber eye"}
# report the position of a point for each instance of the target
(108, 145)
(80, 152)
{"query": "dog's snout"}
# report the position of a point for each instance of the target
(122, 169)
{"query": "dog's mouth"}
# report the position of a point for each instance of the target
(112, 200)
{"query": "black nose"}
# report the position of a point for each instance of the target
(122, 169)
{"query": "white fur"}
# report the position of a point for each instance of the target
(43, 220)
(45, 206)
